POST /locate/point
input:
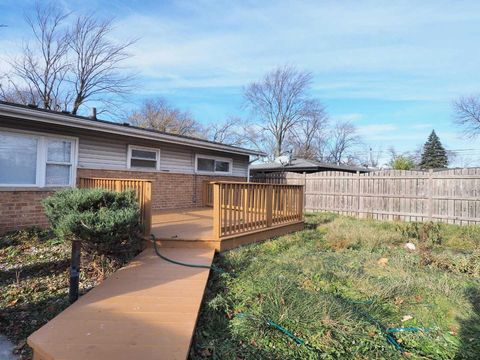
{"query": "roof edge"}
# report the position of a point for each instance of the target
(75, 121)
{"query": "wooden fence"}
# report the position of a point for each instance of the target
(142, 188)
(451, 196)
(245, 207)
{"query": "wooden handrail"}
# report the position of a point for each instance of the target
(98, 178)
(240, 207)
(247, 183)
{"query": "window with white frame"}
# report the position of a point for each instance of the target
(213, 164)
(143, 158)
(36, 160)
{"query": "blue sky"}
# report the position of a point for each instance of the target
(391, 67)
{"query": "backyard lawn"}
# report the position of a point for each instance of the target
(341, 286)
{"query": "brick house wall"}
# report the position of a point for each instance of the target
(169, 190)
(23, 208)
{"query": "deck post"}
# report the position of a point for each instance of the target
(301, 205)
(269, 205)
(147, 207)
(216, 211)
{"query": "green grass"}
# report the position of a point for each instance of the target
(308, 283)
(34, 282)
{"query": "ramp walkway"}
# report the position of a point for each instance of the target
(146, 310)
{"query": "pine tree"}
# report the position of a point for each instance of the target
(434, 155)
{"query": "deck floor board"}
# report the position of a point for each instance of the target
(147, 310)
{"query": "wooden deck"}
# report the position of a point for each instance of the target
(147, 310)
(194, 228)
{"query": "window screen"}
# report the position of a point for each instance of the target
(143, 158)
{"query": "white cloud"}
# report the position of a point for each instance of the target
(355, 50)
(422, 126)
(376, 129)
(351, 117)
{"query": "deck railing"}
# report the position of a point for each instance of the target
(207, 193)
(245, 207)
(142, 188)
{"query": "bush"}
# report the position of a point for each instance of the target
(105, 222)
(429, 233)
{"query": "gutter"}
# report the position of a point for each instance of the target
(114, 128)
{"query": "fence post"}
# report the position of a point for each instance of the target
(358, 194)
(304, 190)
(430, 189)
(216, 211)
(269, 205)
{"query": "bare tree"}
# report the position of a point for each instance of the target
(343, 138)
(12, 92)
(64, 67)
(230, 132)
(97, 59)
(43, 65)
(159, 115)
(467, 115)
(308, 136)
(367, 156)
(279, 101)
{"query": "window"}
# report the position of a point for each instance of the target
(143, 158)
(59, 162)
(35, 160)
(215, 165)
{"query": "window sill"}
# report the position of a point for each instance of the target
(32, 188)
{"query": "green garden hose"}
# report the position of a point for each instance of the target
(212, 267)
(387, 332)
(283, 330)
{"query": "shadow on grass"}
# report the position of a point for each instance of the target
(469, 332)
(35, 270)
(19, 321)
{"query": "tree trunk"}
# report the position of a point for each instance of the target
(74, 271)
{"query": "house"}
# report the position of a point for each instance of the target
(42, 151)
(299, 165)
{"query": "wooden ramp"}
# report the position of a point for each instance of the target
(146, 310)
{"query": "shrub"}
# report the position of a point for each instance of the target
(429, 233)
(105, 222)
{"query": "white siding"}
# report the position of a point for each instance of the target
(99, 152)
(110, 152)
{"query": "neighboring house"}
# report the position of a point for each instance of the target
(42, 151)
(301, 166)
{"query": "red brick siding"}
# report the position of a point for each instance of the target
(169, 190)
(20, 209)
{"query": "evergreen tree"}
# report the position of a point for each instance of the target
(434, 155)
